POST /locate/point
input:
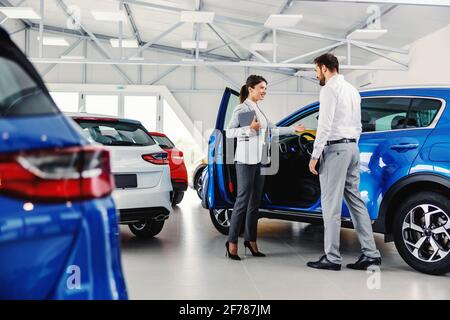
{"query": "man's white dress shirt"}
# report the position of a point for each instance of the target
(339, 113)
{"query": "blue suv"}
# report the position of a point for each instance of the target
(405, 172)
(59, 237)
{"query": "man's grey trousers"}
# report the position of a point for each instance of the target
(339, 178)
(250, 186)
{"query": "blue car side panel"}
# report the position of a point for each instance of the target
(34, 246)
(96, 254)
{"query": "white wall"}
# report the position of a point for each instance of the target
(429, 63)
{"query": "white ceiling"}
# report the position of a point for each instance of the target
(405, 23)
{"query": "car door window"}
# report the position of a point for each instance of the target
(233, 102)
(424, 111)
(396, 113)
(310, 121)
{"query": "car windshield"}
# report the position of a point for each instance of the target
(163, 142)
(115, 133)
(20, 95)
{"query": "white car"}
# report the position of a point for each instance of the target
(140, 167)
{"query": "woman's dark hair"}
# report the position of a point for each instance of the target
(328, 60)
(251, 82)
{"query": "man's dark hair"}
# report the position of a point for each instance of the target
(328, 60)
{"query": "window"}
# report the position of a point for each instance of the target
(66, 101)
(102, 104)
(382, 114)
(20, 95)
(163, 142)
(233, 102)
(142, 108)
(310, 121)
(115, 133)
(424, 111)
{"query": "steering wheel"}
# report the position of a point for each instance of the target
(306, 146)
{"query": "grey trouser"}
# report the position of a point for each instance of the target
(250, 185)
(339, 178)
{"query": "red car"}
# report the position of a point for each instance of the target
(178, 172)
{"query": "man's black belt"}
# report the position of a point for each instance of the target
(345, 140)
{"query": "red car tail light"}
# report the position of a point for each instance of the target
(75, 173)
(156, 158)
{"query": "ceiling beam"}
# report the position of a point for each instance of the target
(223, 40)
(98, 45)
(155, 47)
(200, 63)
(364, 24)
(133, 23)
(177, 9)
(240, 43)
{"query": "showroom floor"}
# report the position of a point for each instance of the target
(186, 261)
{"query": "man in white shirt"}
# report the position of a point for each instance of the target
(336, 146)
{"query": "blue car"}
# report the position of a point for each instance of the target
(405, 172)
(59, 237)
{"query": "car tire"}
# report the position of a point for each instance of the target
(198, 184)
(421, 232)
(178, 196)
(147, 229)
(221, 219)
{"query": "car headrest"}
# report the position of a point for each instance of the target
(398, 122)
(366, 121)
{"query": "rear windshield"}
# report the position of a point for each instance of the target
(20, 95)
(117, 133)
(164, 142)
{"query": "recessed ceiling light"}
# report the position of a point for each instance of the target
(136, 58)
(366, 34)
(112, 16)
(191, 44)
(197, 16)
(54, 41)
(72, 57)
(262, 46)
(20, 13)
(126, 43)
(282, 20)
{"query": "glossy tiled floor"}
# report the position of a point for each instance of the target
(186, 261)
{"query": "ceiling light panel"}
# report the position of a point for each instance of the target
(276, 21)
(55, 41)
(197, 16)
(111, 16)
(20, 13)
(367, 34)
(191, 44)
(126, 43)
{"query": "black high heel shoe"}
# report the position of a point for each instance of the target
(227, 253)
(254, 253)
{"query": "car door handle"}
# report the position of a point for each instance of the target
(405, 146)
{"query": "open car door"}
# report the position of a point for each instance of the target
(220, 188)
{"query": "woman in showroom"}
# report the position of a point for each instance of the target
(252, 129)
